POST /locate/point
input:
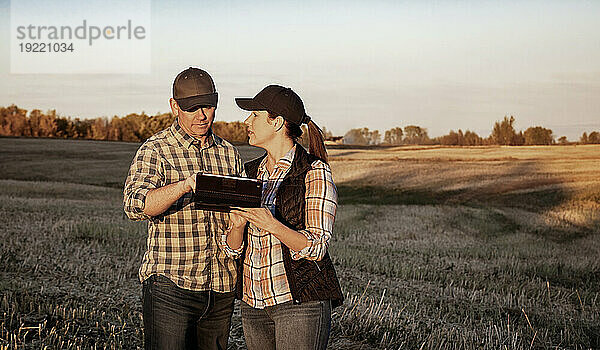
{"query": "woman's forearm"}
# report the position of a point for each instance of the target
(235, 238)
(263, 218)
(291, 238)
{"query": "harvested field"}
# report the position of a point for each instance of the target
(436, 248)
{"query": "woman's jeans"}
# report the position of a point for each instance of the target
(287, 326)
(177, 318)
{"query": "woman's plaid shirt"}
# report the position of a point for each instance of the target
(183, 241)
(265, 281)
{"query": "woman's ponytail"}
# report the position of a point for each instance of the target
(316, 142)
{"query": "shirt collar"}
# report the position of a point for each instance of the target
(189, 141)
(284, 163)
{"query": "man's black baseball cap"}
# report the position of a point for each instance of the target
(194, 87)
(279, 100)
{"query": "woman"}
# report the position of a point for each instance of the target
(286, 280)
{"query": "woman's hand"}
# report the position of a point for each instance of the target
(235, 236)
(263, 219)
(236, 220)
(259, 217)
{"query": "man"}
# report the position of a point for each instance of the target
(188, 283)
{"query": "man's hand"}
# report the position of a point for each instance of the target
(160, 199)
(190, 183)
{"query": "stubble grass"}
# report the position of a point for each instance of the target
(435, 248)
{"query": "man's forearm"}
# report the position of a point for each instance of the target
(160, 199)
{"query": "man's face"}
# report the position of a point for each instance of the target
(197, 123)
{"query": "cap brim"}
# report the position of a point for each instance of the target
(200, 100)
(249, 104)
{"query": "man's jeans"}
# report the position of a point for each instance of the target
(303, 326)
(177, 318)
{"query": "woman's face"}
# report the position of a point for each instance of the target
(260, 128)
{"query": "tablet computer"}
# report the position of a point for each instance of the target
(220, 192)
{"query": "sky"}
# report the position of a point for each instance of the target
(441, 65)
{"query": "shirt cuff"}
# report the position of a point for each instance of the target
(230, 252)
(137, 203)
(315, 249)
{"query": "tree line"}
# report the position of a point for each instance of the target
(134, 127)
(503, 133)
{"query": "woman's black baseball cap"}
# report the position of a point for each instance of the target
(279, 100)
(194, 87)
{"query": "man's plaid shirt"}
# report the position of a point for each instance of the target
(182, 241)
